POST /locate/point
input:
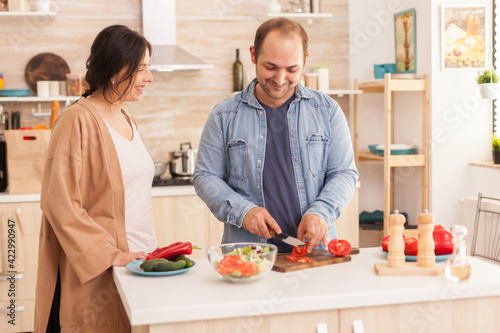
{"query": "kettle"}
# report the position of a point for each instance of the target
(182, 162)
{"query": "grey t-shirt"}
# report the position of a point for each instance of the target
(281, 197)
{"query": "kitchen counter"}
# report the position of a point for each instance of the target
(158, 191)
(199, 295)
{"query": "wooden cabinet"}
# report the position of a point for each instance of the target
(17, 296)
(348, 223)
(389, 87)
(186, 218)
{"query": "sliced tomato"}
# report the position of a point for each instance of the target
(339, 247)
(299, 251)
(300, 259)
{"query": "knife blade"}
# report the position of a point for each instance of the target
(287, 239)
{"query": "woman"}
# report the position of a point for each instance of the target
(96, 193)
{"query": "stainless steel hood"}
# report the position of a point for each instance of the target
(159, 27)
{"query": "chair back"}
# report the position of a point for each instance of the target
(486, 236)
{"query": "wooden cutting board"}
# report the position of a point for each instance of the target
(45, 67)
(318, 257)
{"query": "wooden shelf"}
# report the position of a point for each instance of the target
(25, 14)
(36, 99)
(301, 15)
(342, 92)
(388, 86)
(395, 85)
(412, 160)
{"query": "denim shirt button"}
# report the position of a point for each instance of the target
(261, 136)
(258, 161)
(296, 159)
(291, 112)
(293, 135)
(300, 186)
(258, 186)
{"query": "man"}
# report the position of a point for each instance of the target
(277, 155)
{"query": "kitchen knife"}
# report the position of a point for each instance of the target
(287, 239)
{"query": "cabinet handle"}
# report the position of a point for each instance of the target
(17, 309)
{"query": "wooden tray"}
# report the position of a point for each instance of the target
(318, 257)
(45, 67)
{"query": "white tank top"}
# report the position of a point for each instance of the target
(138, 172)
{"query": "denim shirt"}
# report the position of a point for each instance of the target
(230, 159)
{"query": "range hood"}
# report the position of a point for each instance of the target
(159, 28)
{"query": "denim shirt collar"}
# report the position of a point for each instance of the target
(248, 95)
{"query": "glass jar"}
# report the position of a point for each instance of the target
(458, 266)
(299, 6)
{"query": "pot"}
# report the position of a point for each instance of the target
(182, 161)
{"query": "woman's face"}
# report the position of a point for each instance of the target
(139, 80)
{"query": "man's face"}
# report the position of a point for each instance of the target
(278, 67)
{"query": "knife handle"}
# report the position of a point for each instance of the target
(272, 232)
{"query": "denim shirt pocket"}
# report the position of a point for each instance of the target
(317, 145)
(238, 159)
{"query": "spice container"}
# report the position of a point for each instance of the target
(323, 77)
(74, 84)
(1, 80)
(312, 80)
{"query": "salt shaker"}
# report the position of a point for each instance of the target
(458, 266)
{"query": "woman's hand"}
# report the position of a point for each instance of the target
(125, 257)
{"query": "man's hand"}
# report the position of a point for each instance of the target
(314, 228)
(258, 221)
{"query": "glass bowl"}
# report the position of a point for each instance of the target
(242, 262)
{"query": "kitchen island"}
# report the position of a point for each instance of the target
(200, 301)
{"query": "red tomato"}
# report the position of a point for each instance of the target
(385, 242)
(299, 251)
(411, 246)
(339, 247)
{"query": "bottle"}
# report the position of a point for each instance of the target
(237, 73)
(457, 266)
(1, 80)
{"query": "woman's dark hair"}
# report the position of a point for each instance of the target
(115, 47)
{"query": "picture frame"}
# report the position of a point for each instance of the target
(405, 41)
(464, 37)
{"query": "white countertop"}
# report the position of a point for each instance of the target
(159, 191)
(200, 294)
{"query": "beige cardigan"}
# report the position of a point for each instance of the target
(83, 225)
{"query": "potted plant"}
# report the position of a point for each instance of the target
(488, 84)
(495, 147)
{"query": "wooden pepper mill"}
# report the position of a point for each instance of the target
(396, 257)
(425, 255)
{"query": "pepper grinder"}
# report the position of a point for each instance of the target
(458, 266)
(426, 256)
(396, 257)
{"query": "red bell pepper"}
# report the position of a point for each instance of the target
(443, 240)
(172, 250)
